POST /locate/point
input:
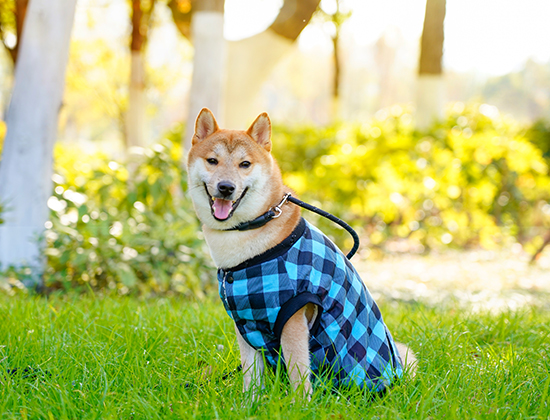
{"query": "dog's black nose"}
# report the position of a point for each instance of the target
(226, 188)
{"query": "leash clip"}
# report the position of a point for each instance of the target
(277, 208)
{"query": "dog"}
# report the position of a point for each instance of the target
(282, 281)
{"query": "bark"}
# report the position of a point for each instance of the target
(431, 45)
(251, 60)
(138, 28)
(19, 18)
(430, 99)
(338, 18)
(336, 75)
(293, 18)
(430, 72)
(136, 123)
(26, 166)
(208, 5)
(136, 119)
(336, 111)
(539, 251)
(181, 14)
(208, 62)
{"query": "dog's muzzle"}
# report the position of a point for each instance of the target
(222, 208)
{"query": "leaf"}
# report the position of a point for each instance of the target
(126, 275)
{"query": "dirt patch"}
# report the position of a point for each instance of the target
(482, 279)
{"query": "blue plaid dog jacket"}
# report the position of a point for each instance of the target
(349, 341)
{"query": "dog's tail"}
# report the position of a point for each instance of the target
(408, 357)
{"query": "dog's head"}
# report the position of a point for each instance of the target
(231, 172)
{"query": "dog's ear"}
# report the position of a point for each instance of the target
(260, 131)
(204, 126)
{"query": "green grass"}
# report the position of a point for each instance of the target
(125, 358)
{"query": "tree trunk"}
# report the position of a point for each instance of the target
(251, 60)
(19, 12)
(336, 111)
(208, 62)
(430, 88)
(136, 123)
(26, 166)
(136, 117)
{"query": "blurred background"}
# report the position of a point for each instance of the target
(423, 124)
(495, 52)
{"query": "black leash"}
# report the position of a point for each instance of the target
(332, 218)
(276, 211)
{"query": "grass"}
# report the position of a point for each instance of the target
(124, 358)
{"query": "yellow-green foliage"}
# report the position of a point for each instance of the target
(117, 227)
(475, 179)
(2, 135)
(472, 180)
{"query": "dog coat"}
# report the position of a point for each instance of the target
(349, 342)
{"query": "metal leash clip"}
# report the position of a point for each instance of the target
(277, 208)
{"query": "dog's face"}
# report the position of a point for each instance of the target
(230, 171)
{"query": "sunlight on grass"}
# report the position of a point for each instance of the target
(129, 358)
(479, 280)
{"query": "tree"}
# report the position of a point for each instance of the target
(249, 61)
(208, 61)
(26, 165)
(12, 17)
(429, 99)
(135, 117)
(336, 17)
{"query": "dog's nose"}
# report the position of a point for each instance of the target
(226, 188)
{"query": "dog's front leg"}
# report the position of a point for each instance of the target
(252, 364)
(295, 344)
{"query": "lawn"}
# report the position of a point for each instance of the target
(126, 358)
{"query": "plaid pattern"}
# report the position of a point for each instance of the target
(348, 340)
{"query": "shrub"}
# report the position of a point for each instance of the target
(474, 179)
(471, 180)
(2, 135)
(119, 227)
(539, 135)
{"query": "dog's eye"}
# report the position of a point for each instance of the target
(212, 161)
(245, 164)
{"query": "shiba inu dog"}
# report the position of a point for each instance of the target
(294, 297)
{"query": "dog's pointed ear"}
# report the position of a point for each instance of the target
(205, 125)
(260, 131)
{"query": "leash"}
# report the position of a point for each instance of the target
(275, 212)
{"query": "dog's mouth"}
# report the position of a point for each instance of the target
(221, 208)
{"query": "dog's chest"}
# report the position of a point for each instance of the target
(229, 249)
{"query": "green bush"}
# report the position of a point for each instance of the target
(119, 227)
(471, 180)
(2, 135)
(539, 135)
(475, 179)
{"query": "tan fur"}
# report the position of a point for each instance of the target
(229, 248)
(252, 364)
(295, 344)
(266, 189)
(408, 358)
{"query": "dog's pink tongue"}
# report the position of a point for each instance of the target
(222, 208)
